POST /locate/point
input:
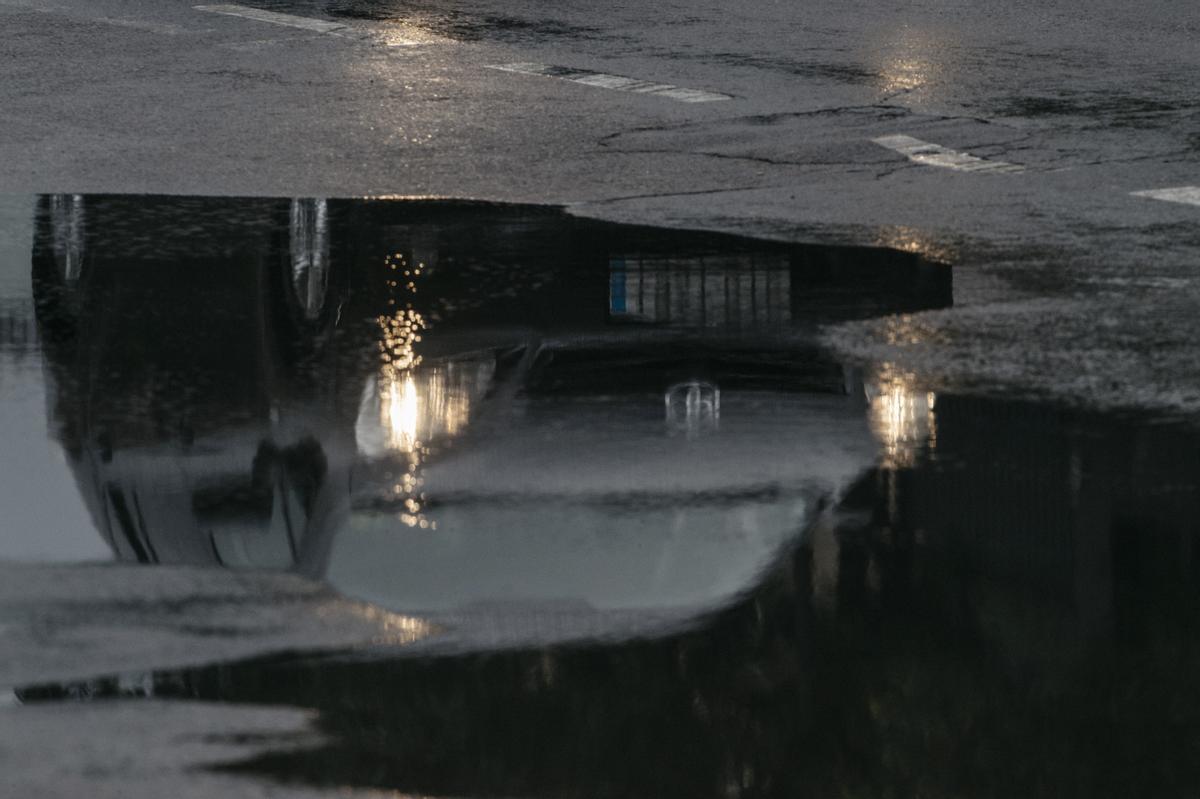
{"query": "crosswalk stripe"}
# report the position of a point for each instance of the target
(274, 17)
(621, 83)
(1179, 194)
(928, 154)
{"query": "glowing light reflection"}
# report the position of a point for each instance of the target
(904, 75)
(911, 61)
(409, 405)
(902, 418)
(395, 628)
(914, 240)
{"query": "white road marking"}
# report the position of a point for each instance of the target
(1180, 194)
(923, 152)
(274, 17)
(616, 82)
(387, 36)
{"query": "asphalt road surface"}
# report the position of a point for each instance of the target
(1016, 140)
(1048, 150)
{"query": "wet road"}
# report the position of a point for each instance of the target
(858, 124)
(884, 485)
(490, 499)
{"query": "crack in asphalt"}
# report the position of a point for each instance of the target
(663, 194)
(758, 159)
(751, 119)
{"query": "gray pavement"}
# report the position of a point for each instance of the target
(1067, 285)
(394, 98)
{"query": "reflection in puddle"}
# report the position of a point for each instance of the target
(67, 224)
(309, 246)
(1028, 596)
(403, 410)
(669, 548)
(901, 416)
(732, 292)
(439, 406)
(915, 240)
(693, 408)
(913, 60)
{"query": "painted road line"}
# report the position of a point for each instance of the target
(616, 82)
(275, 18)
(1180, 194)
(923, 152)
(390, 36)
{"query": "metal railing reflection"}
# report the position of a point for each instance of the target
(693, 408)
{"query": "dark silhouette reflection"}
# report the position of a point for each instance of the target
(236, 381)
(185, 385)
(1003, 602)
(1009, 609)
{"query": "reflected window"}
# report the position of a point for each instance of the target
(741, 291)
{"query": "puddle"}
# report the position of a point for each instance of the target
(1007, 605)
(677, 550)
(448, 408)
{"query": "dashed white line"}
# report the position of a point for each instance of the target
(274, 17)
(1179, 194)
(616, 82)
(923, 152)
(386, 36)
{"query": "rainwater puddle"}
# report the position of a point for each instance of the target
(676, 550)
(439, 407)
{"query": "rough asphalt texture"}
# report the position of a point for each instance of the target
(1067, 286)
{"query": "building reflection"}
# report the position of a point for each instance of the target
(729, 292)
(319, 385)
(1030, 589)
(985, 584)
(181, 355)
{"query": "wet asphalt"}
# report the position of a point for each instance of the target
(988, 592)
(401, 100)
